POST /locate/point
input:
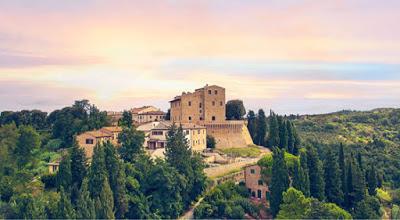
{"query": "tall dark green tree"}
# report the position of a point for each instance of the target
(333, 190)
(261, 128)
(235, 110)
(131, 141)
(291, 138)
(126, 120)
(65, 209)
(316, 174)
(252, 124)
(273, 135)
(300, 178)
(283, 135)
(297, 141)
(78, 164)
(64, 175)
(85, 205)
(116, 177)
(342, 167)
(304, 167)
(279, 180)
(97, 172)
(104, 203)
(372, 181)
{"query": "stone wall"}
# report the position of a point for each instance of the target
(230, 134)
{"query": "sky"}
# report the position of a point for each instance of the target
(292, 56)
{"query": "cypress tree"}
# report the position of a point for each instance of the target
(261, 125)
(178, 154)
(78, 164)
(97, 172)
(299, 178)
(252, 124)
(359, 161)
(64, 176)
(85, 205)
(316, 174)
(291, 139)
(342, 167)
(64, 208)
(349, 195)
(120, 194)
(372, 181)
(104, 204)
(273, 135)
(358, 183)
(333, 190)
(297, 141)
(283, 135)
(304, 168)
(279, 180)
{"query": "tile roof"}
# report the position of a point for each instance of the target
(112, 129)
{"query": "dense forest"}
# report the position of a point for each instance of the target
(341, 165)
(118, 182)
(348, 159)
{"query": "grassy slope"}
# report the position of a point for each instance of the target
(376, 134)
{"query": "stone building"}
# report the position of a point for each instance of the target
(88, 140)
(206, 107)
(147, 114)
(156, 135)
(254, 183)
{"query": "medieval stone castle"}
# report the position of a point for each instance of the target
(206, 107)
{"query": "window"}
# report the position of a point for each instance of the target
(260, 182)
(157, 133)
(190, 103)
(253, 194)
(252, 171)
(221, 103)
(259, 194)
(89, 141)
(198, 131)
(200, 105)
(213, 103)
(213, 118)
(201, 118)
(209, 92)
(215, 92)
(190, 118)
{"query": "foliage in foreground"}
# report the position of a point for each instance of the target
(296, 206)
(228, 201)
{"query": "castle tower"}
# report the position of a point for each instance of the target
(206, 106)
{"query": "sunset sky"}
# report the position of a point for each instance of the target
(292, 56)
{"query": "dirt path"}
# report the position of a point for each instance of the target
(214, 172)
(190, 212)
(222, 170)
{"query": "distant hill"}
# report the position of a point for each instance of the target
(375, 134)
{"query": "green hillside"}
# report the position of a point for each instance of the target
(375, 134)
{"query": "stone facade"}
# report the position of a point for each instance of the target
(254, 183)
(156, 135)
(206, 107)
(90, 139)
(147, 114)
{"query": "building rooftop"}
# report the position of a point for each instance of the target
(98, 133)
(153, 113)
(112, 129)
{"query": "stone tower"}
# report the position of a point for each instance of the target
(206, 106)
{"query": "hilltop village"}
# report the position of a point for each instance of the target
(199, 113)
(202, 159)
